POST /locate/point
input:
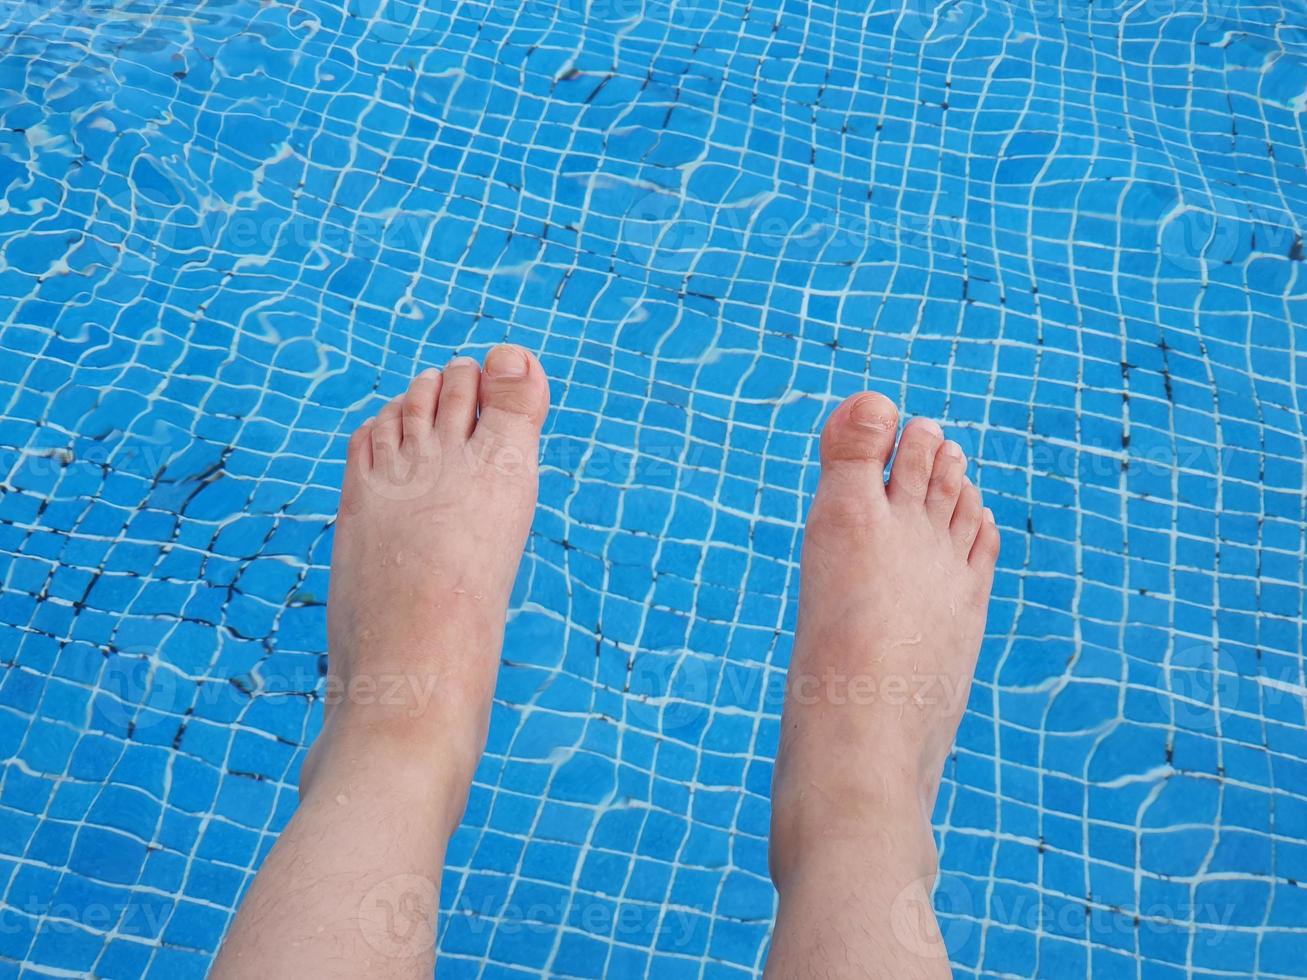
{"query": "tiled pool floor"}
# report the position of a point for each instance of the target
(228, 230)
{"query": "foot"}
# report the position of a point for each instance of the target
(438, 497)
(895, 583)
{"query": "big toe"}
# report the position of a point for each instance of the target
(860, 433)
(514, 398)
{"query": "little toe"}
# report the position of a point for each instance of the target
(456, 406)
(358, 468)
(984, 552)
(387, 432)
(861, 433)
(914, 462)
(966, 519)
(358, 453)
(945, 483)
(419, 409)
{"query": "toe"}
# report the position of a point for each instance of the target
(514, 394)
(419, 408)
(861, 431)
(945, 484)
(914, 461)
(966, 519)
(359, 451)
(456, 407)
(984, 552)
(386, 434)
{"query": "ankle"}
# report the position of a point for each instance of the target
(390, 762)
(880, 835)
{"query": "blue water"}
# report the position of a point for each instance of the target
(230, 230)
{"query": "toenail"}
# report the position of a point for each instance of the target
(506, 362)
(429, 373)
(930, 425)
(989, 516)
(461, 360)
(867, 411)
(953, 449)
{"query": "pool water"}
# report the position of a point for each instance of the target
(230, 230)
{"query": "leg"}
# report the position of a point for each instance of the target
(895, 582)
(434, 513)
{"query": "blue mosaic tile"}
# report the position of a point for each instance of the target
(1074, 236)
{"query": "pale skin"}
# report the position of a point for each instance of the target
(894, 588)
(437, 501)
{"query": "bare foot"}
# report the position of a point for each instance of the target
(439, 493)
(895, 584)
